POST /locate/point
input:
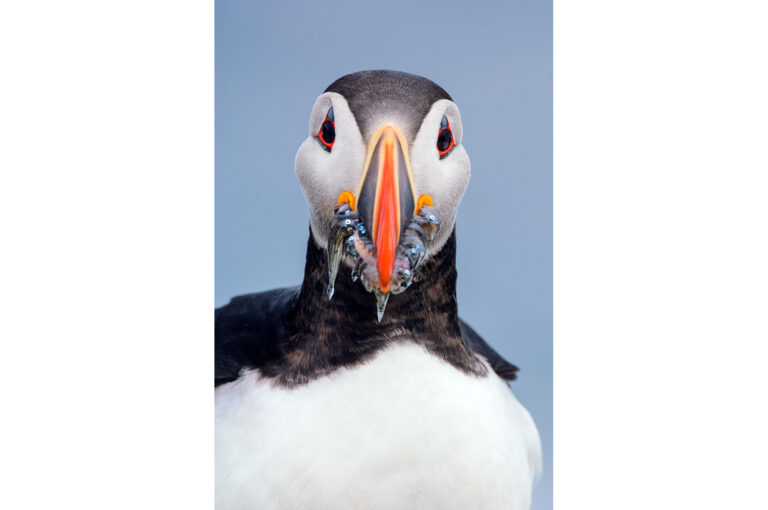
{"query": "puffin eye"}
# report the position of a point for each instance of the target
(327, 133)
(445, 143)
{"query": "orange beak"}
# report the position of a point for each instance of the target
(386, 199)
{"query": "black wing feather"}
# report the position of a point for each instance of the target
(249, 331)
(502, 367)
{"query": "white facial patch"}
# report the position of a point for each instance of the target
(445, 180)
(324, 175)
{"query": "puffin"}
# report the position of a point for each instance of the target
(362, 388)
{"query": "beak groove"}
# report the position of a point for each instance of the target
(386, 199)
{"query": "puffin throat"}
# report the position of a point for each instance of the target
(324, 334)
(430, 298)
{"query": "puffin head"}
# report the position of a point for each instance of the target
(383, 170)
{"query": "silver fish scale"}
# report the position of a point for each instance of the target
(348, 234)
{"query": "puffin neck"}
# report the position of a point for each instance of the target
(426, 307)
(323, 335)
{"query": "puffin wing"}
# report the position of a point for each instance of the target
(502, 367)
(249, 331)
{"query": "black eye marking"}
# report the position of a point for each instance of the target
(445, 142)
(326, 135)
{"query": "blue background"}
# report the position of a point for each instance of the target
(494, 58)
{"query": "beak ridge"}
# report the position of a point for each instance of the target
(386, 199)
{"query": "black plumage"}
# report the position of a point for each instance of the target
(295, 335)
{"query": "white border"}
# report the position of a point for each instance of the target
(661, 255)
(106, 207)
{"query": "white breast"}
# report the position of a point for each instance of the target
(404, 431)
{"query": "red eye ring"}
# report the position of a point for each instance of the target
(445, 142)
(326, 135)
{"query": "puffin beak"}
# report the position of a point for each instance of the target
(386, 199)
